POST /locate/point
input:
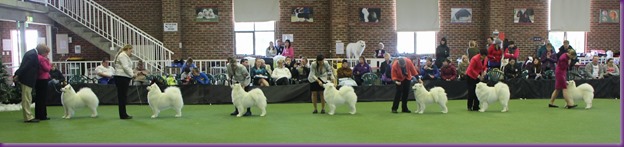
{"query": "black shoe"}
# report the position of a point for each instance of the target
(234, 113)
(322, 111)
(406, 111)
(552, 106)
(127, 117)
(570, 107)
(394, 111)
(248, 113)
(314, 112)
(32, 121)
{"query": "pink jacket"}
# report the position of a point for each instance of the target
(289, 52)
(44, 71)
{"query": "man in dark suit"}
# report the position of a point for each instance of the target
(26, 76)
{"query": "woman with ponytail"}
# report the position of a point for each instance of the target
(123, 75)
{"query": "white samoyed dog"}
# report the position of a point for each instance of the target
(435, 95)
(355, 50)
(333, 97)
(583, 92)
(487, 95)
(243, 100)
(73, 100)
(158, 101)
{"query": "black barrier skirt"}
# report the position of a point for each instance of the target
(298, 93)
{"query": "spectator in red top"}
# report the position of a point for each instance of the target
(512, 52)
(494, 55)
(475, 73)
(448, 71)
(403, 71)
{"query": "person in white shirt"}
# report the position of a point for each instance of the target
(595, 70)
(281, 73)
(123, 75)
(105, 73)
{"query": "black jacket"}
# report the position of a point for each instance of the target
(29, 68)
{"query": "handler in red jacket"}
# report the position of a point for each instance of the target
(403, 71)
(475, 72)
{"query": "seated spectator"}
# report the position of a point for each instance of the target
(535, 69)
(185, 77)
(462, 67)
(200, 77)
(345, 76)
(140, 74)
(512, 70)
(429, 70)
(281, 74)
(594, 69)
(104, 73)
(549, 58)
(448, 71)
(266, 66)
(188, 64)
(612, 70)
(259, 74)
(360, 69)
(300, 71)
(57, 76)
(386, 70)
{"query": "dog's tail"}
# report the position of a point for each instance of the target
(173, 89)
(346, 90)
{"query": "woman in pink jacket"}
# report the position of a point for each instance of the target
(289, 51)
(42, 86)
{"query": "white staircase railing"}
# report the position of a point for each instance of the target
(115, 29)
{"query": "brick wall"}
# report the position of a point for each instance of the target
(310, 38)
(87, 50)
(144, 14)
(372, 33)
(207, 40)
(459, 34)
(522, 33)
(603, 35)
(338, 20)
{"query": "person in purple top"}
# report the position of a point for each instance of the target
(360, 69)
(560, 79)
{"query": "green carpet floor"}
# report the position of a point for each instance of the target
(528, 121)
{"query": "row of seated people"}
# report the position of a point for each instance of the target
(104, 73)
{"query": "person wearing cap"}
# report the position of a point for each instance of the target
(475, 73)
(495, 54)
(403, 70)
(442, 52)
(512, 51)
(320, 73)
(560, 79)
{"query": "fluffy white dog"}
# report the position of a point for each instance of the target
(583, 92)
(333, 97)
(73, 100)
(158, 101)
(435, 95)
(486, 95)
(356, 49)
(243, 100)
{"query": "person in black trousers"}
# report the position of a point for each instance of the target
(403, 71)
(474, 74)
(26, 77)
(41, 86)
(123, 75)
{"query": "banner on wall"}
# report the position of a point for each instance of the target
(62, 44)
